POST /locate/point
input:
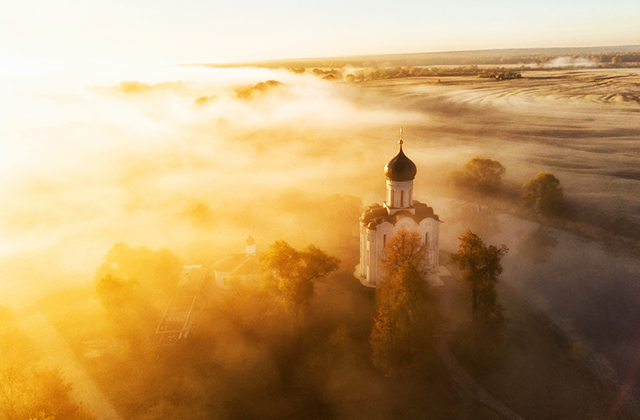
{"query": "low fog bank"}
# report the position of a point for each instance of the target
(193, 160)
(145, 162)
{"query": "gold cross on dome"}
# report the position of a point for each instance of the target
(400, 141)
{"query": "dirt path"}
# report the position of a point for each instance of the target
(57, 353)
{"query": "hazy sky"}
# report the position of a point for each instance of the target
(53, 32)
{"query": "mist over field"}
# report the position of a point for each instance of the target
(194, 159)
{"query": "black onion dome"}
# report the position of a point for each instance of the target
(400, 168)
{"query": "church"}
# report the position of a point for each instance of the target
(379, 223)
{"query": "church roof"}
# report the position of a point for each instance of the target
(400, 168)
(238, 264)
(376, 214)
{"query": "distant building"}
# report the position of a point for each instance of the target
(192, 288)
(243, 266)
(379, 223)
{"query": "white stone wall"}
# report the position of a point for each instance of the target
(363, 255)
(372, 245)
(399, 194)
(221, 278)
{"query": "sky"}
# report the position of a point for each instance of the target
(48, 34)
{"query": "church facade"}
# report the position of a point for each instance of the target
(379, 223)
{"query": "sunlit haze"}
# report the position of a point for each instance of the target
(48, 34)
(328, 210)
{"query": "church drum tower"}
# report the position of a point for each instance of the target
(379, 223)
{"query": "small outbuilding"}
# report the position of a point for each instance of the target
(242, 267)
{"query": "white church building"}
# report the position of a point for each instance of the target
(379, 223)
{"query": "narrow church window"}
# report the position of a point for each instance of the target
(384, 241)
(401, 198)
(392, 202)
(426, 238)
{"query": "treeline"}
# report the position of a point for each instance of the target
(613, 57)
(376, 73)
(536, 63)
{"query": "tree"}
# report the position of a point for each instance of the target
(543, 193)
(481, 175)
(128, 307)
(481, 265)
(407, 317)
(405, 248)
(290, 273)
(28, 390)
(134, 284)
(42, 394)
(156, 272)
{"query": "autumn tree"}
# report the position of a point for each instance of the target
(407, 317)
(41, 394)
(28, 390)
(291, 273)
(134, 284)
(480, 175)
(543, 193)
(156, 271)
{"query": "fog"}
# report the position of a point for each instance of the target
(194, 159)
(141, 162)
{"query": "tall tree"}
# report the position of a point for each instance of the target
(481, 265)
(157, 272)
(291, 273)
(407, 317)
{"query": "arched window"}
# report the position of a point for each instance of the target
(426, 238)
(384, 241)
(391, 201)
(401, 198)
